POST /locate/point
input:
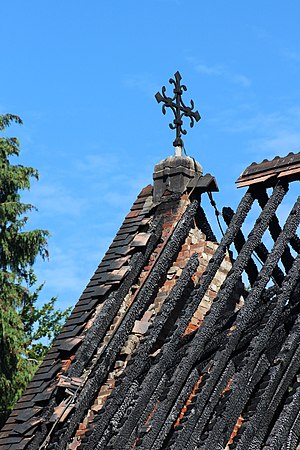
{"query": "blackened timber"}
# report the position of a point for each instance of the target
(294, 434)
(116, 442)
(118, 417)
(140, 360)
(254, 296)
(104, 319)
(288, 366)
(135, 421)
(280, 431)
(115, 422)
(138, 436)
(287, 288)
(275, 229)
(203, 225)
(240, 392)
(239, 241)
(261, 251)
(281, 366)
(260, 343)
(295, 244)
(170, 347)
(195, 427)
(206, 331)
(219, 435)
(144, 297)
(187, 389)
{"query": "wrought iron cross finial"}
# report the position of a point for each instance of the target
(178, 107)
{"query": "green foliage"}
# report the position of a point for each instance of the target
(24, 327)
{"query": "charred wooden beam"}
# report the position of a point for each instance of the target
(261, 251)
(107, 314)
(275, 230)
(140, 360)
(203, 224)
(205, 332)
(254, 297)
(239, 241)
(143, 299)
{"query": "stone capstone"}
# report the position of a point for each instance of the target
(173, 174)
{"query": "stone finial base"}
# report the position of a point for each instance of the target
(174, 174)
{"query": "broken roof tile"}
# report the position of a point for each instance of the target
(140, 240)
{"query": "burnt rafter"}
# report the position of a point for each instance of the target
(178, 107)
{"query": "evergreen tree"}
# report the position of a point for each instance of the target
(22, 324)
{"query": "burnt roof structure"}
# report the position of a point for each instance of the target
(178, 341)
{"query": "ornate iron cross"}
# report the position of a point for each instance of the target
(178, 107)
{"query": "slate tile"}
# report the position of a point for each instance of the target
(21, 404)
(137, 207)
(83, 307)
(121, 242)
(83, 296)
(8, 427)
(101, 290)
(70, 343)
(21, 445)
(23, 428)
(35, 384)
(132, 214)
(118, 263)
(122, 236)
(27, 414)
(45, 395)
(70, 333)
(48, 375)
(10, 440)
(77, 320)
(146, 191)
(129, 228)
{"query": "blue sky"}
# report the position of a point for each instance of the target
(82, 76)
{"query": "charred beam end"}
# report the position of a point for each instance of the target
(203, 225)
(239, 241)
(275, 230)
(261, 251)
